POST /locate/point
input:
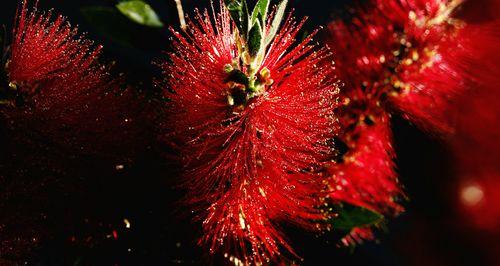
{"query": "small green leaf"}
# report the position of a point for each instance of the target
(260, 11)
(239, 13)
(278, 17)
(255, 39)
(351, 217)
(140, 12)
(234, 5)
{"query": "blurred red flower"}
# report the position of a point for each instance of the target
(410, 57)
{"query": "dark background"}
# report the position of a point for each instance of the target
(85, 208)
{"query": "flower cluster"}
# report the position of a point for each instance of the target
(410, 57)
(264, 132)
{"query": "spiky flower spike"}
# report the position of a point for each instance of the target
(399, 60)
(57, 88)
(48, 55)
(251, 110)
(62, 105)
(406, 56)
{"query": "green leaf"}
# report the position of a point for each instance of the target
(351, 217)
(255, 39)
(239, 13)
(110, 23)
(278, 17)
(260, 11)
(140, 12)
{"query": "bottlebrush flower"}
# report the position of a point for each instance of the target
(48, 56)
(58, 105)
(59, 91)
(365, 175)
(251, 114)
(401, 51)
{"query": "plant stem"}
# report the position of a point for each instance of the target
(180, 11)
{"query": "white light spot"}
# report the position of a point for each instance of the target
(127, 223)
(472, 195)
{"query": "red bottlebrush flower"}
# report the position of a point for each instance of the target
(400, 51)
(253, 129)
(456, 67)
(365, 175)
(48, 57)
(61, 105)
(60, 91)
(413, 55)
